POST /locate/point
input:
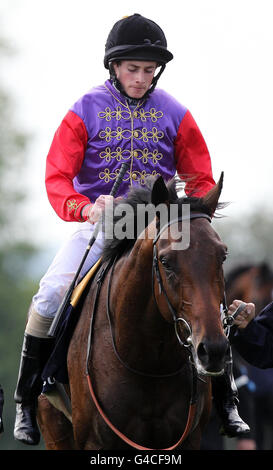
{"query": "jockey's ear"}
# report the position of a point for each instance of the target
(211, 199)
(160, 193)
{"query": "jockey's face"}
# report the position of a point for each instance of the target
(135, 76)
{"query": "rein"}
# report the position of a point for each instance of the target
(135, 371)
(187, 344)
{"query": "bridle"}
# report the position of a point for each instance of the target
(187, 344)
(156, 272)
(227, 320)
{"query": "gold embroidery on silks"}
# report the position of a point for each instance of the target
(108, 134)
(107, 176)
(140, 134)
(145, 135)
(118, 154)
(144, 155)
(134, 135)
(119, 114)
(73, 206)
(152, 114)
(141, 176)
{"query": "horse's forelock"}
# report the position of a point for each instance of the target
(142, 195)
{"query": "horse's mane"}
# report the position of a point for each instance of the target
(141, 195)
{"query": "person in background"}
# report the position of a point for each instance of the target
(253, 337)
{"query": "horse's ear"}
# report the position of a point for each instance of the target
(212, 197)
(160, 193)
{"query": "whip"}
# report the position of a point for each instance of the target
(66, 300)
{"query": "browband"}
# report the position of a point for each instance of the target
(195, 215)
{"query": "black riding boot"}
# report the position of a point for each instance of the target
(35, 353)
(225, 397)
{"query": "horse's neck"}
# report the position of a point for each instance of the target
(139, 327)
(132, 283)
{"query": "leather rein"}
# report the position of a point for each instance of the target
(187, 344)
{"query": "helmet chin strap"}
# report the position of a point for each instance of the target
(120, 88)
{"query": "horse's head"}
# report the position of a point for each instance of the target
(188, 277)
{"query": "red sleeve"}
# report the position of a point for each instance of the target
(193, 162)
(63, 163)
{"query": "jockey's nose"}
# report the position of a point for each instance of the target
(213, 354)
(140, 77)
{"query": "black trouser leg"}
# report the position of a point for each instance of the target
(35, 353)
(225, 397)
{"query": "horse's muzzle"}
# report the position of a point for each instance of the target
(211, 356)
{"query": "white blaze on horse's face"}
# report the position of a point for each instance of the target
(194, 284)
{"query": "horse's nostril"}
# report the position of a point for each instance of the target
(212, 354)
(202, 353)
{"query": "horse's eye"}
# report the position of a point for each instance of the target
(168, 268)
(166, 265)
(164, 261)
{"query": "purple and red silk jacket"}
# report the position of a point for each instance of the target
(157, 137)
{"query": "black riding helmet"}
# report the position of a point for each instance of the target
(136, 38)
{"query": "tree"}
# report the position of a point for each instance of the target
(16, 252)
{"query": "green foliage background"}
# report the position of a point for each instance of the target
(17, 284)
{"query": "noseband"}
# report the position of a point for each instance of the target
(156, 271)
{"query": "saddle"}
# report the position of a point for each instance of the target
(80, 288)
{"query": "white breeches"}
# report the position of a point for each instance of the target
(63, 268)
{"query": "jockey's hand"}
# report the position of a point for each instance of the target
(245, 316)
(95, 211)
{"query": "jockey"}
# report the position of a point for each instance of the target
(125, 119)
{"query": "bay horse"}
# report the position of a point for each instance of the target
(149, 336)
